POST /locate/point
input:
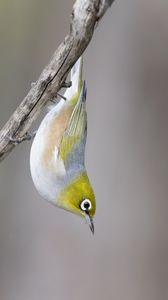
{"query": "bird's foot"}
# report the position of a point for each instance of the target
(26, 137)
(66, 84)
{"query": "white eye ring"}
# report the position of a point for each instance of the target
(86, 205)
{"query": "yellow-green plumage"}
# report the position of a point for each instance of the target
(67, 145)
(77, 190)
(74, 131)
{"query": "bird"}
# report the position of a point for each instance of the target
(57, 156)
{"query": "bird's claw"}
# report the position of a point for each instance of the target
(66, 84)
(26, 137)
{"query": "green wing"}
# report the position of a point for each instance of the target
(76, 128)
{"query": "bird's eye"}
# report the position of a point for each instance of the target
(86, 205)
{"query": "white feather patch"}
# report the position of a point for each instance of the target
(55, 154)
(58, 163)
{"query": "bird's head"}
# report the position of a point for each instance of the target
(78, 197)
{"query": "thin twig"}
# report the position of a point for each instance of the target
(85, 15)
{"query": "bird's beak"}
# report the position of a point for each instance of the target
(89, 221)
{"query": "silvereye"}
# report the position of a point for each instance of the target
(57, 158)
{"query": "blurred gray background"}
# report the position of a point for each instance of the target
(46, 253)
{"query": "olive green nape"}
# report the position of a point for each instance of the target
(76, 191)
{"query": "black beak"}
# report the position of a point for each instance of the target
(89, 221)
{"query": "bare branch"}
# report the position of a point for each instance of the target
(85, 15)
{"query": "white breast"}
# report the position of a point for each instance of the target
(46, 180)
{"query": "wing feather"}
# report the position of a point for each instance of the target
(76, 128)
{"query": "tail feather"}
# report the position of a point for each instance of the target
(77, 123)
(83, 92)
(76, 77)
(76, 74)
